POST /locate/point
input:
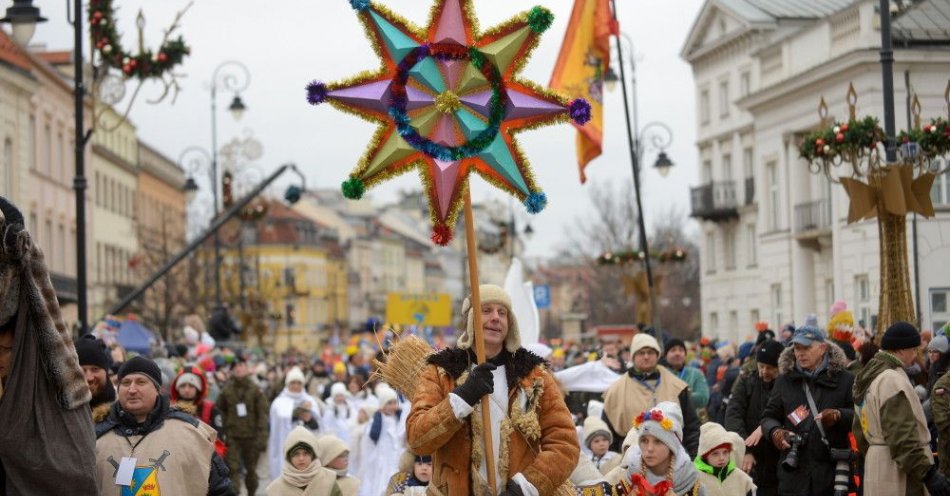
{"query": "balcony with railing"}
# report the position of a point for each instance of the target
(813, 221)
(715, 201)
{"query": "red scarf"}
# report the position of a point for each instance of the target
(642, 487)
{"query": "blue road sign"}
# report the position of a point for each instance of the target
(542, 296)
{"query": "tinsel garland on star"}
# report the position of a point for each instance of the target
(448, 101)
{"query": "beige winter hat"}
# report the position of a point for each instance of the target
(329, 447)
(713, 435)
(594, 426)
(643, 340)
(490, 293)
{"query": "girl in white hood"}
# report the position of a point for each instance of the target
(302, 474)
(383, 443)
(339, 412)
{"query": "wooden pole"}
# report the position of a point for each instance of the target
(479, 337)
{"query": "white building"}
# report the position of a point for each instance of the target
(776, 244)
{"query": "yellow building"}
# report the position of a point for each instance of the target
(295, 278)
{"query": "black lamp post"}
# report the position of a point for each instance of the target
(231, 76)
(655, 134)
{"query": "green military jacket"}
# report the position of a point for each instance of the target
(249, 421)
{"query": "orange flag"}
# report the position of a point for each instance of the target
(580, 70)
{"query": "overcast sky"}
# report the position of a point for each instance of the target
(287, 43)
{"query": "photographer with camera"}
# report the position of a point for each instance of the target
(808, 416)
(889, 424)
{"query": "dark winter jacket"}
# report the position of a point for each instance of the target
(750, 395)
(831, 388)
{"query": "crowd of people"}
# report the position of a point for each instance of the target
(814, 410)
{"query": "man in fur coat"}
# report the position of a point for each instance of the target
(814, 363)
(534, 442)
(47, 442)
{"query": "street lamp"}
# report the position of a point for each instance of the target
(23, 17)
(655, 134)
(231, 76)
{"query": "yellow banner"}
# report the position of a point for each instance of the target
(430, 309)
(580, 70)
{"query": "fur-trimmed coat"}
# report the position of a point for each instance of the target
(538, 437)
(831, 388)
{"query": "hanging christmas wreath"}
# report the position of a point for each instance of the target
(144, 65)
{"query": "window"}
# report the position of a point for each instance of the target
(707, 172)
(32, 143)
(774, 207)
(940, 191)
(34, 224)
(734, 322)
(862, 289)
(727, 167)
(747, 163)
(776, 297)
(714, 324)
(724, 101)
(729, 247)
(754, 316)
(61, 249)
(710, 253)
(47, 149)
(745, 84)
(57, 171)
(751, 246)
(98, 262)
(939, 307)
(7, 166)
(704, 106)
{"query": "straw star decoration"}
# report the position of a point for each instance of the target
(449, 102)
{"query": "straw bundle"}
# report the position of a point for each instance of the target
(404, 363)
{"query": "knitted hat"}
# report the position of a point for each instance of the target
(745, 349)
(385, 395)
(900, 336)
(765, 336)
(490, 293)
(189, 378)
(339, 389)
(300, 437)
(93, 351)
(295, 375)
(594, 426)
(841, 322)
(939, 344)
(329, 447)
(642, 340)
(664, 422)
(769, 353)
(144, 366)
(674, 343)
(713, 435)
(339, 368)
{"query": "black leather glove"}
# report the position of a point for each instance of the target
(480, 382)
(512, 489)
(937, 484)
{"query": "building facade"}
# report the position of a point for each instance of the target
(775, 243)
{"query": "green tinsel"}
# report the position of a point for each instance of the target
(540, 19)
(353, 188)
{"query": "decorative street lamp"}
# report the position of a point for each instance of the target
(231, 76)
(23, 17)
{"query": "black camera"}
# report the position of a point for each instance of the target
(792, 459)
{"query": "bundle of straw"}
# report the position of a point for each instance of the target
(404, 363)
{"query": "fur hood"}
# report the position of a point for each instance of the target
(837, 361)
(455, 361)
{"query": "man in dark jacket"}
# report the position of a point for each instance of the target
(749, 398)
(145, 444)
(244, 410)
(811, 364)
(96, 361)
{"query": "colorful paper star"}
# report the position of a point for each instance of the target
(449, 102)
